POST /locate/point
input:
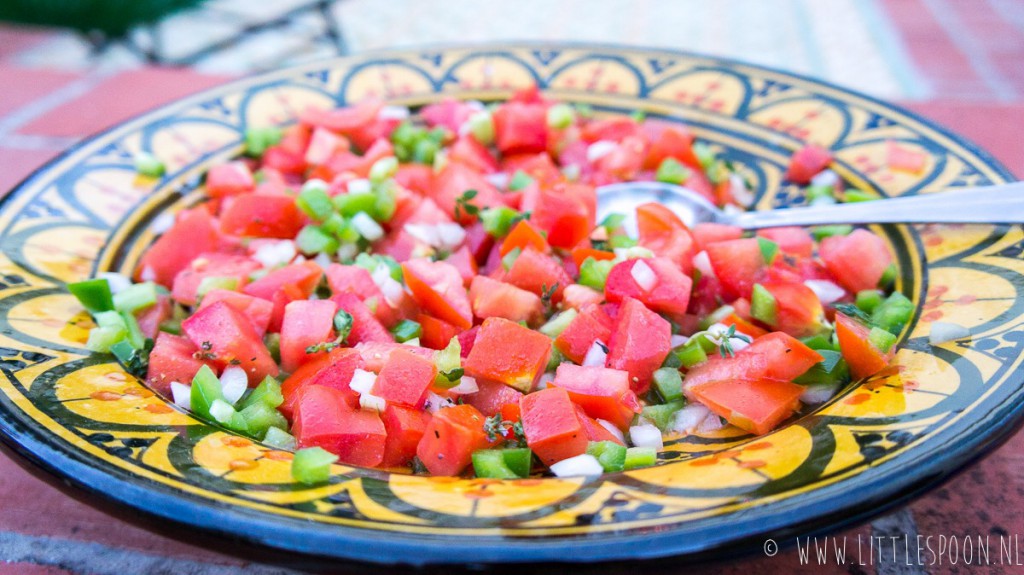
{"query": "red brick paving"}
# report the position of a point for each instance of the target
(22, 85)
(15, 39)
(30, 569)
(16, 164)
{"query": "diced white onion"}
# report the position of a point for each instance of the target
(414, 342)
(273, 254)
(452, 235)
(436, 402)
(635, 252)
(367, 227)
(359, 186)
(583, 464)
(825, 178)
(118, 282)
(425, 233)
(476, 105)
(323, 260)
(466, 385)
(739, 191)
(162, 223)
(612, 429)
(316, 184)
(711, 423)
(372, 402)
(702, 262)
(644, 275)
(498, 180)
(817, 394)
(944, 331)
(828, 292)
(678, 340)
(717, 331)
(147, 274)
(687, 419)
(347, 252)
(596, 355)
(362, 381)
(646, 435)
(600, 149)
(233, 383)
(182, 395)
(393, 113)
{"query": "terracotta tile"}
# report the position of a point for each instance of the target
(118, 98)
(22, 85)
(16, 164)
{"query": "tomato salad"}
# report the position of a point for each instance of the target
(433, 292)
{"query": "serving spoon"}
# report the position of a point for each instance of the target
(1002, 203)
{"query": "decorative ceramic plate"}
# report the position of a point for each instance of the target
(81, 417)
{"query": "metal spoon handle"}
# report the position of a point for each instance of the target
(1003, 203)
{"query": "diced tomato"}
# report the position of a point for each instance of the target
(324, 419)
(791, 240)
(662, 232)
(862, 356)
(806, 163)
(450, 439)
(509, 353)
(467, 339)
(455, 180)
(262, 216)
(625, 160)
(580, 255)
(668, 140)
(322, 145)
(343, 120)
(211, 265)
(284, 160)
(857, 261)
(757, 406)
(602, 393)
(376, 353)
(257, 310)
(537, 166)
(524, 236)
(478, 241)
(172, 359)
(538, 273)
(405, 378)
(565, 211)
(743, 325)
(466, 150)
(707, 233)
(552, 429)
(358, 282)
(229, 179)
(671, 291)
(492, 298)
(902, 159)
(333, 369)
(437, 334)
(193, 233)
(776, 356)
(492, 397)
(150, 318)
(798, 309)
(416, 177)
(365, 327)
(228, 338)
(449, 113)
(306, 323)
(738, 265)
(437, 288)
(590, 324)
(521, 128)
(304, 276)
(594, 430)
(463, 261)
(639, 344)
(577, 296)
(405, 428)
